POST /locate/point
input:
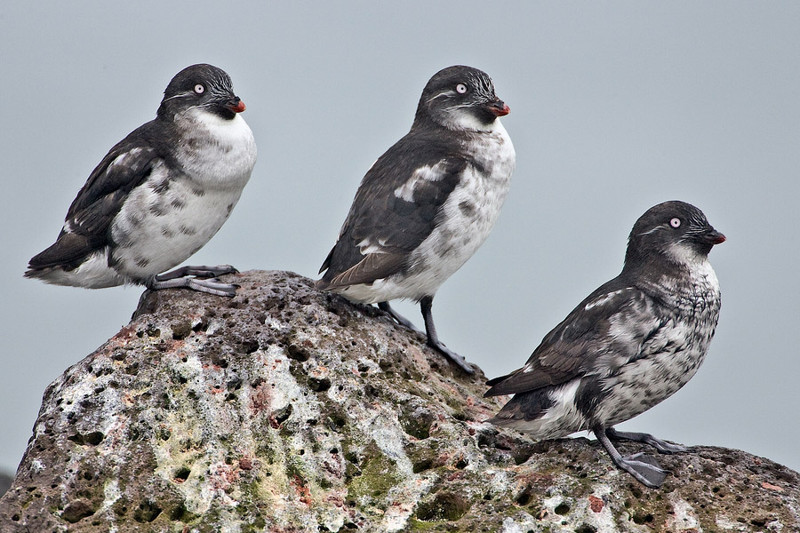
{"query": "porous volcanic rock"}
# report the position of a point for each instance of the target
(5, 482)
(288, 409)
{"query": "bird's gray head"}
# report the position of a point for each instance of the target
(673, 231)
(203, 86)
(460, 98)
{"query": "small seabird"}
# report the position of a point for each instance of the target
(428, 203)
(628, 346)
(159, 195)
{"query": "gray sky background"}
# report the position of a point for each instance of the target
(615, 106)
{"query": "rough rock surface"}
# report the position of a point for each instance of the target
(287, 409)
(5, 482)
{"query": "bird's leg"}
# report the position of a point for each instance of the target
(425, 305)
(658, 444)
(642, 467)
(400, 319)
(211, 286)
(201, 271)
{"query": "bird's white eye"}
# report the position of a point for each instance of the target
(675, 222)
(199, 89)
(461, 88)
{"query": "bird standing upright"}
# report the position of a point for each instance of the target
(159, 195)
(628, 346)
(429, 202)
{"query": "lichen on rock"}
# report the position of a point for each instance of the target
(288, 409)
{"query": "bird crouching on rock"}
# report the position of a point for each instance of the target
(428, 203)
(159, 195)
(628, 346)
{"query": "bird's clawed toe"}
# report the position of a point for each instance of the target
(453, 356)
(644, 468)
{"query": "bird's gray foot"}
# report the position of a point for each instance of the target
(201, 271)
(433, 339)
(450, 354)
(642, 467)
(660, 445)
(400, 319)
(210, 286)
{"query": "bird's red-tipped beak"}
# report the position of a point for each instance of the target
(499, 108)
(714, 237)
(236, 105)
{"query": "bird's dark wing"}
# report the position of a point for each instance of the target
(88, 221)
(605, 331)
(395, 209)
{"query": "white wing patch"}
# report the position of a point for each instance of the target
(424, 173)
(122, 159)
(368, 247)
(605, 298)
(68, 227)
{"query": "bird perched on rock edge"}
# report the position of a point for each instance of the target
(159, 195)
(628, 346)
(428, 203)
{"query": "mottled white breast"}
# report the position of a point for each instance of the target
(464, 223)
(177, 211)
(215, 152)
(672, 356)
